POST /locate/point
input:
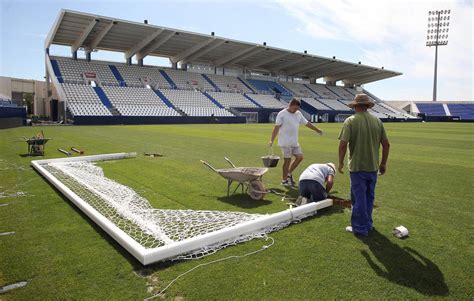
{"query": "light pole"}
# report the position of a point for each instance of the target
(438, 27)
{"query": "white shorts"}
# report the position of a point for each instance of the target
(290, 151)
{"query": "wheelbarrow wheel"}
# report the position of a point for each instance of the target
(256, 190)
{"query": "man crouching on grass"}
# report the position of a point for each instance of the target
(286, 126)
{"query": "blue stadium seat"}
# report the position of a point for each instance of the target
(269, 86)
(431, 109)
(465, 111)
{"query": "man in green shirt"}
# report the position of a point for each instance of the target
(364, 134)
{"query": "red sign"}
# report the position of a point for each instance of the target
(90, 75)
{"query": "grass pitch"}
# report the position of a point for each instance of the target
(63, 255)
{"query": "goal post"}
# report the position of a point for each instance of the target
(151, 234)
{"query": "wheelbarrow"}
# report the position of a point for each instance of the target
(249, 179)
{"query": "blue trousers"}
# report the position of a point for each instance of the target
(362, 196)
(312, 190)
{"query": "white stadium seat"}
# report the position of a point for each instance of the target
(83, 101)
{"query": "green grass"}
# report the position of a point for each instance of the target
(428, 189)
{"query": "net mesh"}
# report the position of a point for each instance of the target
(135, 216)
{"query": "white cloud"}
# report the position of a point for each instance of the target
(392, 34)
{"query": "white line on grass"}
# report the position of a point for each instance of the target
(6, 233)
(9, 287)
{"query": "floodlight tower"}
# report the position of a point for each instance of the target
(438, 27)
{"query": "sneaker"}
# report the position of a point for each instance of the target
(290, 180)
(360, 235)
(301, 200)
(285, 183)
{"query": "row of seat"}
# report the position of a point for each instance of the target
(235, 100)
(229, 83)
(189, 80)
(267, 101)
(142, 75)
(146, 110)
(206, 111)
(82, 100)
(133, 95)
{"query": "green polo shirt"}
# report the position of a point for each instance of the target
(364, 133)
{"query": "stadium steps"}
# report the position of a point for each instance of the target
(446, 109)
(308, 108)
(213, 100)
(245, 84)
(234, 111)
(307, 86)
(117, 75)
(253, 101)
(270, 86)
(106, 101)
(164, 98)
(333, 91)
(114, 111)
(168, 79)
(57, 71)
(349, 91)
(211, 82)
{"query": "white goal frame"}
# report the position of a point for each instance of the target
(150, 255)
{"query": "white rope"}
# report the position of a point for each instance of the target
(263, 248)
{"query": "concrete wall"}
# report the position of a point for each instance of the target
(13, 86)
(6, 87)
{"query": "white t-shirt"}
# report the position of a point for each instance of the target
(289, 124)
(317, 172)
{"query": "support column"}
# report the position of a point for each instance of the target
(435, 70)
(215, 70)
(174, 66)
(129, 61)
(88, 56)
(74, 55)
(331, 83)
(312, 81)
(140, 62)
(47, 80)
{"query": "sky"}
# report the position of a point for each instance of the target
(379, 33)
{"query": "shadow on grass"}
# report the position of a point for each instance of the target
(243, 201)
(404, 266)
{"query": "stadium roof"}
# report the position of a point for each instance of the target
(93, 32)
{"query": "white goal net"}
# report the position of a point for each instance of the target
(152, 234)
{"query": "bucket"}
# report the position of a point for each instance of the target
(270, 160)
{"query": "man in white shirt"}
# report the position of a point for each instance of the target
(286, 126)
(315, 183)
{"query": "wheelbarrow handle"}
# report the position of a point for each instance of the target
(230, 162)
(209, 165)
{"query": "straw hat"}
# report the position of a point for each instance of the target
(361, 99)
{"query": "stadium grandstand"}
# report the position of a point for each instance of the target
(443, 111)
(244, 82)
